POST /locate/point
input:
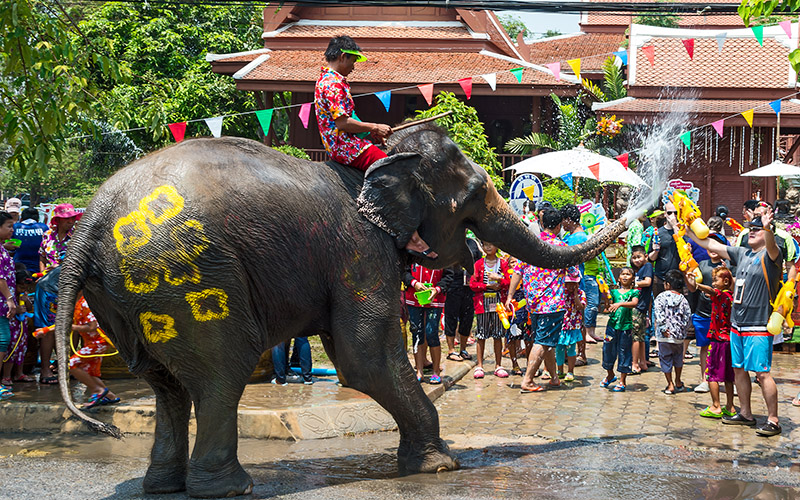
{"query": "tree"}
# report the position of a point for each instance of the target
(665, 19)
(513, 25)
(551, 33)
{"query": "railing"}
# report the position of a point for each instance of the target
(317, 154)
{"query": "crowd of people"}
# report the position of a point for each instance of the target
(553, 312)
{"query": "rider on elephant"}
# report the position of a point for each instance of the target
(338, 127)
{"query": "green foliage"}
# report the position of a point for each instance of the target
(513, 25)
(551, 33)
(571, 130)
(751, 10)
(614, 84)
(665, 19)
(293, 151)
(467, 131)
(557, 193)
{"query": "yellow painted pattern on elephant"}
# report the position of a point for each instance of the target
(174, 200)
(131, 233)
(157, 327)
(208, 304)
(139, 276)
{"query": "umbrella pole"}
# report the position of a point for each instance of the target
(575, 197)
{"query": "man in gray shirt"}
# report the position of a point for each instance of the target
(758, 271)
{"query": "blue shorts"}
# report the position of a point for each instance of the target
(701, 326)
(547, 328)
(751, 350)
(617, 348)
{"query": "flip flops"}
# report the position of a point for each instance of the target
(25, 378)
(606, 382)
(618, 388)
(109, 401)
(435, 379)
(465, 355)
(95, 399)
(580, 362)
(536, 388)
(52, 380)
(454, 356)
(707, 413)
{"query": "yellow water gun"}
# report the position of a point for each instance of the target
(688, 264)
(688, 215)
(782, 308)
(601, 284)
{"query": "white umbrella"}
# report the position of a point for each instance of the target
(577, 162)
(775, 169)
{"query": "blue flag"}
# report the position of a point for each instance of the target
(776, 106)
(623, 55)
(386, 98)
(567, 178)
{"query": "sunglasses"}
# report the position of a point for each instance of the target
(672, 212)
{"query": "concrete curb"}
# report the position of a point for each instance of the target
(313, 422)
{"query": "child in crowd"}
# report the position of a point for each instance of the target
(575, 301)
(519, 325)
(489, 283)
(424, 318)
(672, 315)
(618, 341)
(719, 366)
(19, 326)
(85, 364)
(8, 285)
(643, 281)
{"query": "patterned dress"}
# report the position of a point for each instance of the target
(93, 342)
(544, 288)
(332, 100)
(54, 249)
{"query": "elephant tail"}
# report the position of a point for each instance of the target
(74, 271)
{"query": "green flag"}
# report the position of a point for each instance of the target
(265, 119)
(686, 137)
(517, 72)
(758, 31)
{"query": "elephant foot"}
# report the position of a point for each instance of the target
(414, 457)
(163, 478)
(219, 481)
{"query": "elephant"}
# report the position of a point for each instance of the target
(197, 258)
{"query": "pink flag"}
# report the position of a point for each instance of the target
(555, 68)
(305, 110)
(178, 130)
(427, 92)
(718, 126)
(787, 27)
(623, 158)
(466, 84)
(650, 52)
(689, 44)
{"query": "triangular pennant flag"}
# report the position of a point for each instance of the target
(595, 169)
(555, 68)
(517, 72)
(305, 110)
(427, 92)
(686, 137)
(787, 28)
(178, 130)
(386, 98)
(748, 116)
(567, 178)
(650, 52)
(689, 44)
(623, 55)
(720, 41)
(718, 126)
(491, 79)
(466, 85)
(575, 64)
(623, 158)
(215, 125)
(758, 31)
(265, 118)
(776, 106)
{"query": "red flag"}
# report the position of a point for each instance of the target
(178, 130)
(650, 52)
(427, 92)
(623, 158)
(689, 44)
(595, 169)
(466, 84)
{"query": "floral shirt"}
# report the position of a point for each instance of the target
(573, 319)
(720, 329)
(544, 288)
(332, 100)
(52, 249)
(672, 315)
(7, 273)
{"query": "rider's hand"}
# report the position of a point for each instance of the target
(382, 130)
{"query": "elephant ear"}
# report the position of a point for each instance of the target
(394, 195)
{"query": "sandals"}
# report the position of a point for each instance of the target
(569, 377)
(95, 399)
(769, 429)
(465, 355)
(707, 413)
(500, 372)
(478, 373)
(546, 376)
(517, 371)
(580, 362)
(618, 388)
(25, 378)
(454, 356)
(5, 394)
(109, 401)
(688, 355)
(6, 382)
(435, 379)
(536, 388)
(606, 382)
(52, 380)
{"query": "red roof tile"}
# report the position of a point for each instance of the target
(391, 30)
(722, 107)
(685, 21)
(583, 45)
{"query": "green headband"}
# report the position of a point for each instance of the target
(359, 56)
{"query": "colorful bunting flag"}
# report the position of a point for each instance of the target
(555, 68)
(427, 92)
(758, 31)
(466, 85)
(265, 118)
(215, 125)
(386, 98)
(748, 116)
(517, 72)
(686, 137)
(567, 178)
(575, 64)
(776, 106)
(178, 130)
(623, 56)
(720, 41)
(623, 158)
(787, 28)
(650, 52)
(689, 44)
(491, 79)
(595, 169)
(718, 126)
(305, 111)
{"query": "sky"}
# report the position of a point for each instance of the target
(540, 22)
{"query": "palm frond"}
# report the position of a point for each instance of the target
(614, 84)
(526, 145)
(593, 89)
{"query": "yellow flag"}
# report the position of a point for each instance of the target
(529, 191)
(575, 64)
(748, 116)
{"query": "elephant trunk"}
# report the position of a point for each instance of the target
(504, 228)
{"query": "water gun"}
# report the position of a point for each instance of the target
(607, 265)
(688, 215)
(782, 308)
(734, 225)
(16, 242)
(503, 315)
(24, 316)
(40, 332)
(601, 284)
(38, 275)
(688, 264)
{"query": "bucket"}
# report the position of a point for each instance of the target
(424, 297)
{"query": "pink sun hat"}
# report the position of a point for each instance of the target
(64, 211)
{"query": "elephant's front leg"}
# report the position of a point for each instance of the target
(371, 355)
